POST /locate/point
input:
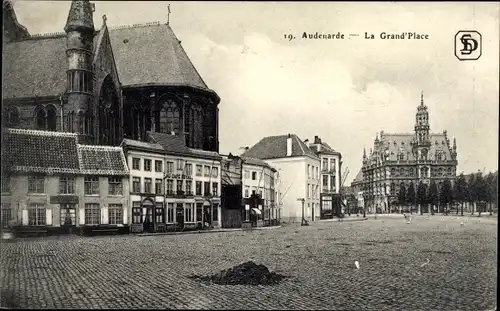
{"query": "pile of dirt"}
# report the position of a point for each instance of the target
(248, 273)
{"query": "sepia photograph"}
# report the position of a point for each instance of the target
(249, 155)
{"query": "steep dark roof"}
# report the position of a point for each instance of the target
(54, 152)
(275, 147)
(324, 148)
(152, 54)
(34, 67)
(170, 143)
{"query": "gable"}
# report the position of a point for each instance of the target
(104, 60)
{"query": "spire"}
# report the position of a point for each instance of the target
(364, 153)
(454, 144)
(422, 98)
(80, 16)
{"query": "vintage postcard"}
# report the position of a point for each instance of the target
(249, 155)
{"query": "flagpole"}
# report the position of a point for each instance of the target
(168, 15)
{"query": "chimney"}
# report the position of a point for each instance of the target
(306, 141)
(289, 146)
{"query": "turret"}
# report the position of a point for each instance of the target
(422, 124)
(79, 50)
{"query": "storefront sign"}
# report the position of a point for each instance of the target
(64, 199)
(177, 176)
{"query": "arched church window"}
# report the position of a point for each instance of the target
(189, 124)
(401, 156)
(163, 120)
(51, 118)
(81, 122)
(70, 118)
(40, 117)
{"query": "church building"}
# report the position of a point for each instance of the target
(105, 84)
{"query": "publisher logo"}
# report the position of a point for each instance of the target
(468, 45)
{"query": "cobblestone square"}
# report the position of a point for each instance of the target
(433, 263)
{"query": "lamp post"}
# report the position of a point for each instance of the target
(304, 221)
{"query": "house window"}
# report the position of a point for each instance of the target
(136, 163)
(247, 174)
(170, 167)
(136, 184)
(199, 211)
(6, 215)
(215, 171)
(147, 185)
(189, 187)
(91, 185)
(159, 213)
(333, 185)
(36, 184)
(92, 214)
(215, 189)
(5, 184)
(136, 213)
(147, 165)
(254, 175)
(188, 212)
(158, 166)
(198, 170)
(333, 165)
(308, 190)
(207, 171)
(198, 188)
(180, 185)
(66, 185)
(247, 191)
(170, 186)
(170, 213)
(215, 212)
(325, 164)
(325, 181)
(189, 169)
(206, 188)
(115, 186)
(115, 214)
(308, 171)
(158, 186)
(37, 214)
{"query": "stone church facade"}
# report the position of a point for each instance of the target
(105, 84)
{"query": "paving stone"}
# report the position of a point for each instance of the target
(152, 271)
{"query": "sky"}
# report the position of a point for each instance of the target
(344, 91)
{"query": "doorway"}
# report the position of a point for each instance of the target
(68, 218)
(147, 223)
(179, 215)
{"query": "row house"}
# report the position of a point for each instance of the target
(330, 197)
(172, 187)
(54, 184)
(298, 168)
(249, 189)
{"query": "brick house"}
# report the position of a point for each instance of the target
(53, 184)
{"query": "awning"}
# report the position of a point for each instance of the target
(256, 211)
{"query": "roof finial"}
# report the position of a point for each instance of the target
(168, 15)
(104, 18)
(422, 98)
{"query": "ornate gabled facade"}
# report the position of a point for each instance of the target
(404, 159)
(106, 84)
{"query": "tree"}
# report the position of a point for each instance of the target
(410, 196)
(446, 195)
(421, 195)
(490, 179)
(432, 196)
(402, 195)
(461, 191)
(481, 191)
(471, 191)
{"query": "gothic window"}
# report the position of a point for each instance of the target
(69, 121)
(51, 118)
(170, 117)
(393, 188)
(393, 171)
(108, 114)
(424, 154)
(412, 171)
(188, 125)
(401, 156)
(401, 171)
(40, 117)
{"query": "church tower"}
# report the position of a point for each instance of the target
(79, 50)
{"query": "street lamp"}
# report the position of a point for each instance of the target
(304, 221)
